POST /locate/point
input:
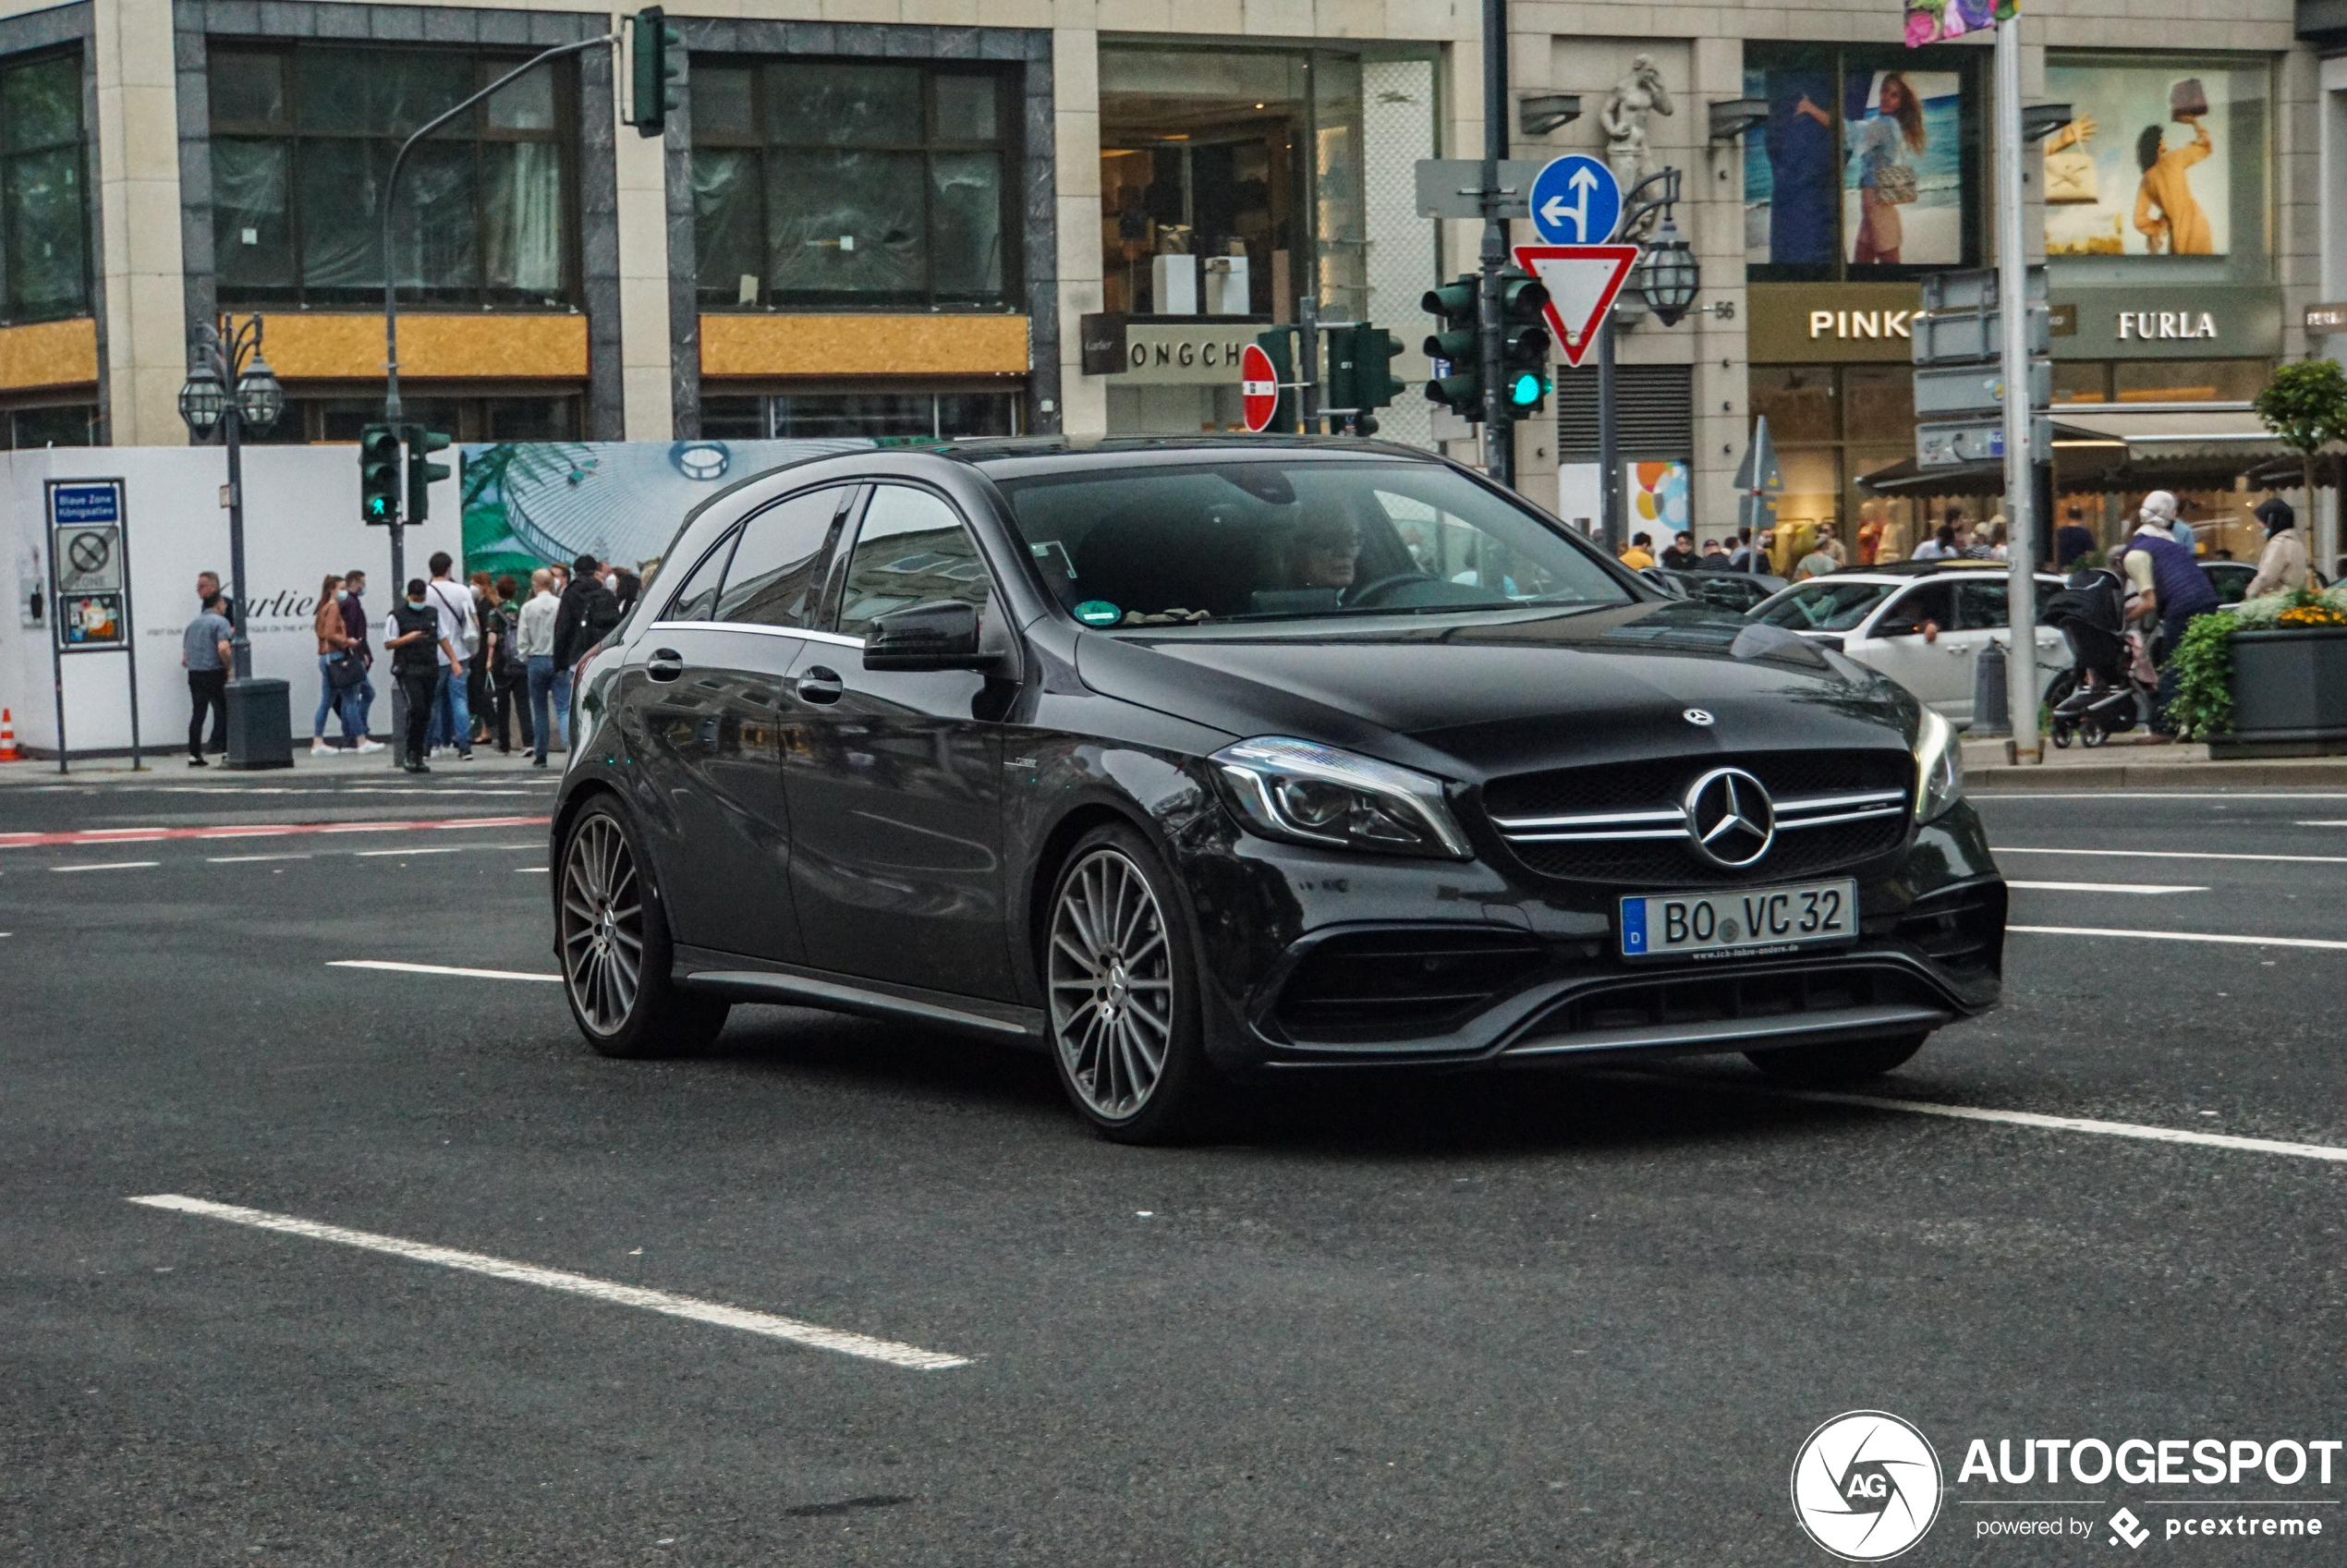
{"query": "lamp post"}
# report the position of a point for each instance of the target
(230, 389)
(1667, 278)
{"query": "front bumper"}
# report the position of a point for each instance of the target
(1314, 960)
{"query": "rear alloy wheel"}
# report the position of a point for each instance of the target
(615, 948)
(1817, 1066)
(1122, 1002)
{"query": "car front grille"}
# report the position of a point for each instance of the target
(1397, 984)
(1625, 823)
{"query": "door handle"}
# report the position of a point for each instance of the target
(821, 685)
(665, 665)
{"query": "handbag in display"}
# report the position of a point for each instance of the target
(2070, 179)
(2187, 100)
(1895, 183)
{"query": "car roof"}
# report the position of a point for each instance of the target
(1022, 457)
(1924, 568)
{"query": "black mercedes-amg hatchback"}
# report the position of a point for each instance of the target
(1196, 762)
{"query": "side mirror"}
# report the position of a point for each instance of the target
(941, 636)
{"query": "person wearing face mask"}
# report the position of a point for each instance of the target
(2283, 567)
(354, 621)
(2168, 587)
(333, 660)
(420, 649)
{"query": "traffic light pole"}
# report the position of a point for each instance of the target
(1499, 429)
(1610, 523)
(1307, 364)
(2012, 299)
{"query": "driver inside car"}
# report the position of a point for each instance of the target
(1328, 550)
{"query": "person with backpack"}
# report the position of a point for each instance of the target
(510, 669)
(452, 721)
(421, 655)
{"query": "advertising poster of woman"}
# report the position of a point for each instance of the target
(1903, 179)
(2146, 168)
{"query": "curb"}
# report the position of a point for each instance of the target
(2295, 775)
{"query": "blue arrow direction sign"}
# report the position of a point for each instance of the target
(1575, 201)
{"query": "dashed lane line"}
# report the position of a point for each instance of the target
(110, 866)
(2086, 1124)
(2223, 938)
(2104, 887)
(2176, 855)
(864, 1346)
(89, 836)
(439, 970)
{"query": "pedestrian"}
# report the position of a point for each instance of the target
(624, 587)
(1939, 546)
(2283, 567)
(1640, 556)
(422, 653)
(479, 692)
(535, 633)
(1740, 558)
(1681, 556)
(1714, 558)
(1999, 547)
(1818, 562)
(2071, 540)
(510, 669)
(336, 667)
(451, 713)
(2172, 590)
(588, 611)
(354, 621)
(205, 652)
(208, 589)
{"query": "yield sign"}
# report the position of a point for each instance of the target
(1258, 387)
(1582, 281)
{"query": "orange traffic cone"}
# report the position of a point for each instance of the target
(8, 752)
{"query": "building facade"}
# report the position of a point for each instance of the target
(940, 218)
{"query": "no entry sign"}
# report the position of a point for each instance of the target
(1258, 387)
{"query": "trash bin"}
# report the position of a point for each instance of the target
(259, 724)
(1991, 700)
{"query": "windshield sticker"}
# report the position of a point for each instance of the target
(1098, 613)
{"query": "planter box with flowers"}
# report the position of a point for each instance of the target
(2267, 678)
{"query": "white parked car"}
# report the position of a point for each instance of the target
(1922, 622)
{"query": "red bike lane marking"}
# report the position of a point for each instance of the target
(256, 829)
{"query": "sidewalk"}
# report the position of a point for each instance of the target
(2128, 762)
(173, 766)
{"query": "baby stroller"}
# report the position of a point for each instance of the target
(2106, 690)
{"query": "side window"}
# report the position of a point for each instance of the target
(1930, 602)
(1984, 605)
(912, 550)
(778, 566)
(697, 600)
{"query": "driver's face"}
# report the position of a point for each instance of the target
(1328, 551)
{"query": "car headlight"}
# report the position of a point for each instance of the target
(1310, 793)
(1939, 767)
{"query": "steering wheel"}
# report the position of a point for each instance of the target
(1369, 593)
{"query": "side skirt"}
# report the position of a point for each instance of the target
(738, 978)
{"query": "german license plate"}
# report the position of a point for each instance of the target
(1746, 921)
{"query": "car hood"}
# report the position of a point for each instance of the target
(1478, 699)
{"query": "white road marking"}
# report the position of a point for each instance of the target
(110, 866)
(2326, 822)
(526, 871)
(2333, 1153)
(766, 1323)
(2105, 887)
(248, 859)
(2221, 937)
(439, 970)
(440, 849)
(2180, 855)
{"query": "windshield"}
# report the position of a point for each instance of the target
(1255, 540)
(1823, 606)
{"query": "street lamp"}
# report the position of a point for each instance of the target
(260, 719)
(1666, 276)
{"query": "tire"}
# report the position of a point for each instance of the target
(1815, 1067)
(2091, 733)
(617, 955)
(2063, 735)
(1121, 1002)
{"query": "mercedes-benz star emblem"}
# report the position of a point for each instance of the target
(1731, 819)
(1699, 717)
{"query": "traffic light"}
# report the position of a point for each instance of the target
(656, 70)
(1457, 346)
(378, 475)
(1524, 342)
(1281, 346)
(1361, 373)
(421, 472)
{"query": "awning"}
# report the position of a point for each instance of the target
(2102, 447)
(2169, 433)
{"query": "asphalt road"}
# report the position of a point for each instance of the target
(1557, 1319)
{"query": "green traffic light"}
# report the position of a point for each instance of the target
(1527, 390)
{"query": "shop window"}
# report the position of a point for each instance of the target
(44, 219)
(2188, 380)
(65, 424)
(853, 183)
(1869, 165)
(1799, 401)
(336, 419)
(1245, 165)
(905, 416)
(302, 137)
(2081, 380)
(1878, 405)
(2164, 173)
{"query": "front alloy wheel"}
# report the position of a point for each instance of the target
(1117, 967)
